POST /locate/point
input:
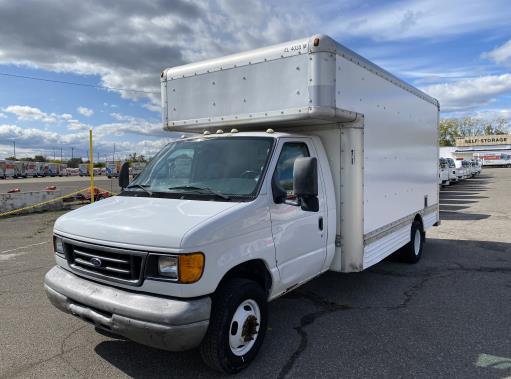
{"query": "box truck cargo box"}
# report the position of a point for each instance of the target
(306, 158)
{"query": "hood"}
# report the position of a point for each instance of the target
(143, 221)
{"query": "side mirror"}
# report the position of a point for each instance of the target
(305, 183)
(124, 175)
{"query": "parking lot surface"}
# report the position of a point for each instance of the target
(66, 184)
(447, 316)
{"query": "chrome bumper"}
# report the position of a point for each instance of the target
(168, 324)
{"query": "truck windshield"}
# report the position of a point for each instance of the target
(217, 168)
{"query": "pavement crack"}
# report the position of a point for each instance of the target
(325, 307)
(22, 369)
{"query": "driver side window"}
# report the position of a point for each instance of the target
(284, 169)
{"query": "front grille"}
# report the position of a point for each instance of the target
(119, 265)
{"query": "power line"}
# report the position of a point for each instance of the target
(75, 83)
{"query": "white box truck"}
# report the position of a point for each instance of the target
(306, 161)
(113, 168)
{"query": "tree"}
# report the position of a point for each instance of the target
(73, 163)
(10, 159)
(452, 128)
(39, 158)
(133, 157)
(499, 125)
(449, 131)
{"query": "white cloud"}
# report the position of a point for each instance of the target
(501, 54)
(26, 113)
(85, 111)
(419, 19)
(66, 116)
(469, 93)
(129, 44)
(75, 125)
(130, 125)
(31, 141)
(3, 115)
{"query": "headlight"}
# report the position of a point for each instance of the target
(58, 245)
(185, 268)
(167, 266)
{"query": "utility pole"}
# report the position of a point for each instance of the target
(54, 154)
(72, 151)
(14, 143)
(114, 153)
(60, 155)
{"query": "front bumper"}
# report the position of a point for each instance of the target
(164, 323)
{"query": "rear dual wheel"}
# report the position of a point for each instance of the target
(412, 251)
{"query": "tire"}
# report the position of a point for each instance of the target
(412, 251)
(235, 299)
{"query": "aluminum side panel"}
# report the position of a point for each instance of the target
(400, 144)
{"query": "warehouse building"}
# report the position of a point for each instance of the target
(494, 150)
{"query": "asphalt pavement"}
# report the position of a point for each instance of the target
(447, 316)
(66, 184)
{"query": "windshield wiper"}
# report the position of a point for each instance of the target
(201, 189)
(142, 186)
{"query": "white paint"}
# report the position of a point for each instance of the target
(25, 247)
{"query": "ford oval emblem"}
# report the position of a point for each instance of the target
(96, 262)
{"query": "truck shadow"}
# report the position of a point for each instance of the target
(457, 199)
(344, 322)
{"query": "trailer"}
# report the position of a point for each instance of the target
(62, 169)
(303, 157)
(495, 159)
(20, 168)
(39, 168)
(9, 169)
(31, 169)
(83, 169)
(2, 169)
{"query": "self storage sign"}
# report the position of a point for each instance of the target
(504, 139)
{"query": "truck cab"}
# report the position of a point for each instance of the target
(443, 172)
(453, 170)
(461, 171)
(467, 167)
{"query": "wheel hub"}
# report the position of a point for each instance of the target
(249, 328)
(244, 327)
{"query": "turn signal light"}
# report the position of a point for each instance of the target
(191, 267)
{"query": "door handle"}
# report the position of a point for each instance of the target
(320, 223)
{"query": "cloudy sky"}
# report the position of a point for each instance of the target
(458, 51)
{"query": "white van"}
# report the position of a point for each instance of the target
(304, 160)
(443, 172)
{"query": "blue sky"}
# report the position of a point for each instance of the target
(457, 51)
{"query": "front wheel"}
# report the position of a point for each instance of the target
(237, 326)
(412, 251)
